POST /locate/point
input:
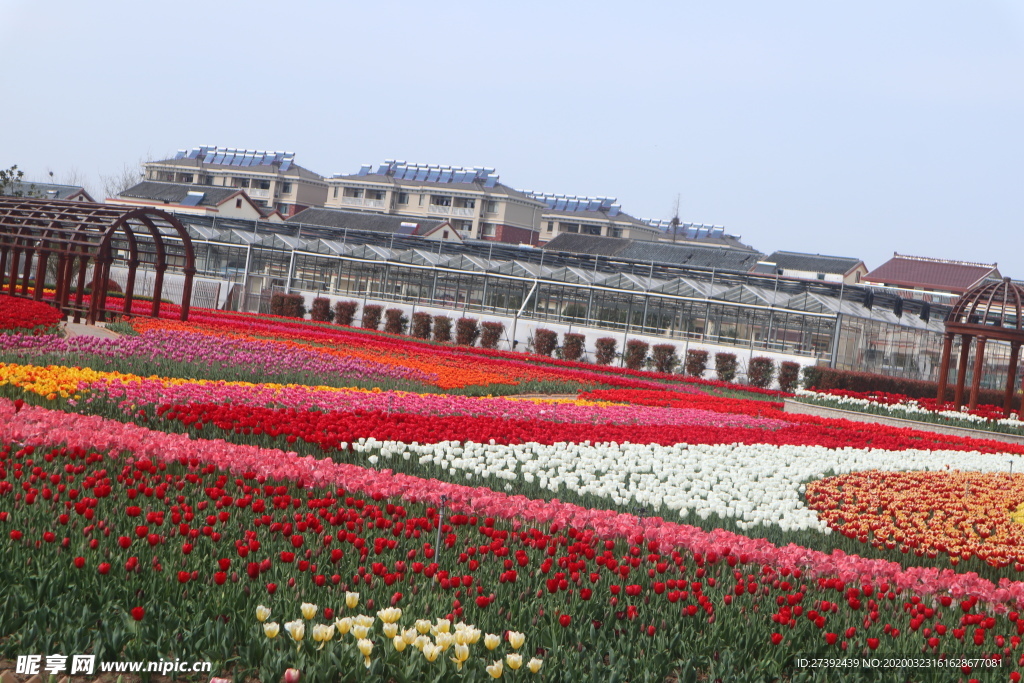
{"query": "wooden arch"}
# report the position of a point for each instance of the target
(80, 235)
(989, 311)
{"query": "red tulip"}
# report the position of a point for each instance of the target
(79, 562)
(15, 535)
(219, 578)
(271, 588)
(564, 620)
(138, 613)
(776, 638)
(104, 568)
(183, 577)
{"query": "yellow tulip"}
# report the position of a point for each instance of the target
(514, 659)
(390, 630)
(296, 629)
(359, 631)
(423, 626)
(409, 636)
(443, 626)
(491, 641)
(365, 646)
(389, 615)
(364, 620)
(344, 625)
(444, 640)
(262, 613)
(535, 664)
(495, 669)
(461, 654)
(400, 643)
(323, 633)
(351, 600)
(271, 629)
(421, 642)
(308, 611)
(516, 639)
(431, 651)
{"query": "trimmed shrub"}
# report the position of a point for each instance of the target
(442, 328)
(665, 358)
(277, 303)
(789, 372)
(421, 325)
(466, 331)
(395, 321)
(636, 354)
(321, 311)
(287, 305)
(490, 334)
(725, 366)
(371, 316)
(760, 372)
(823, 378)
(696, 362)
(572, 346)
(345, 312)
(604, 352)
(544, 341)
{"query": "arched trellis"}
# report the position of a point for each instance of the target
(80, 235)
(990, 311)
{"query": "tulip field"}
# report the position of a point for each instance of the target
(302, 501)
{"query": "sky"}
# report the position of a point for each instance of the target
(853, 129)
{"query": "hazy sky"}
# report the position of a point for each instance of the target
(855, 129)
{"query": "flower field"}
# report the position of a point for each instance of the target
(987, 417)
(285, 498)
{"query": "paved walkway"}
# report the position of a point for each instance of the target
(80, 330)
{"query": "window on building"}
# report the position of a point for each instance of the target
(238, 203)
(551, 226)
(353, 192)
(286, 188)
(283, 208)
(403, 197)
(335, 193)
(570, 227)
(420, 200)
(186, 177)
(208, 180)
(440, 200)
(376, 194)
(492, 206)
(591, 230)
(616, 232)
(241, 182)
(469, 203)
(444, 234)
(487, 229)
(264, 184)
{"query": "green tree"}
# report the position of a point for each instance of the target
(8, 177)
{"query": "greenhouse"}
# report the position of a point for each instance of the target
(849, 327)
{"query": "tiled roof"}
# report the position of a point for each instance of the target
(813, 263)
(174, 193)
(722, 258)
(21, 188)
(939, 274)
(361, 220)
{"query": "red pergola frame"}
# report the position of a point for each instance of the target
(991, 310)
(82, 233)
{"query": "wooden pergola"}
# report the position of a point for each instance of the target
(989, 311)
(81, 235)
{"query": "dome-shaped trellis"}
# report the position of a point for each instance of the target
(991, 310)
(81, 235)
